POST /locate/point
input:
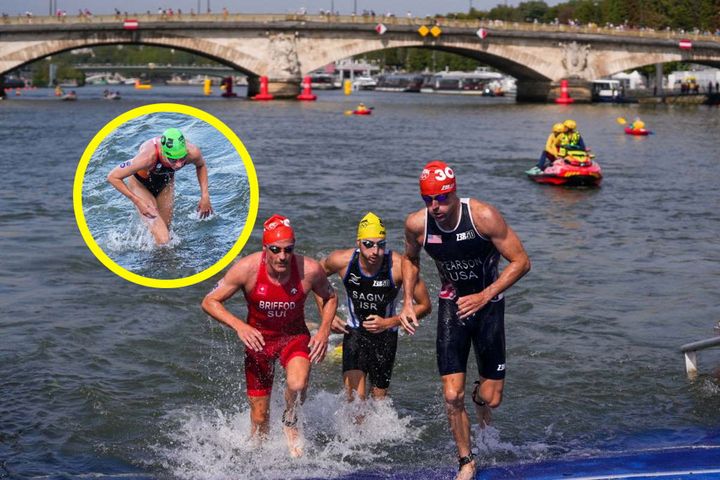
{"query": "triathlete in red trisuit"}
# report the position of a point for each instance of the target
(276, 282)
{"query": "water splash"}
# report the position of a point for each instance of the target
(216, 444)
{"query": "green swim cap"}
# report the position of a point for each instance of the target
(173, 144)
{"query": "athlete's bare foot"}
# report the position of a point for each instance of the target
(294, 441)
(467, 471)
(483, 412)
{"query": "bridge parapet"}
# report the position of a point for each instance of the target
(446, 23)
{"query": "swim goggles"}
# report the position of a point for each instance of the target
(275, 249)
(429, 198)
(370, 244)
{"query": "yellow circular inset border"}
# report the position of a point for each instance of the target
(165, 108)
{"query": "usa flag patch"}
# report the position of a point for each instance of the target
(434, 238)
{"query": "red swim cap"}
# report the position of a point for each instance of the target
(277, 228)
(437, 177)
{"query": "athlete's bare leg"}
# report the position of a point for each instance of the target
(260, 416)
(166, 203)
(157, 226)
(490, 392)
(298, 374)
(454, 393)
(355, 384)
(378, 393)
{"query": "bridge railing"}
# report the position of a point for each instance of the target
(388, 20)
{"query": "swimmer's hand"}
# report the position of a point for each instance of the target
(338, 325)
(147, 210)
(408, 320)
(471, 304)
(318, 346)
(377, 324)
(204, 208)
(251, 337)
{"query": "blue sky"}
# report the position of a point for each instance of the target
(398, 7)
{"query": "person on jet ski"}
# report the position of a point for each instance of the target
(572, 136)
(552, 146)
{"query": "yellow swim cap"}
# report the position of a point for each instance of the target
(371, 226)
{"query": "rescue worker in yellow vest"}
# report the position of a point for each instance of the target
(572, 136)
(552, 146)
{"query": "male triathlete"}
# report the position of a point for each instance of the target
(466, 238)
(151, 180)
(372, 275)
(275, 282)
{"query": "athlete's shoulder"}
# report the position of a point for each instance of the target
(415, 221)
(193, 151)
(487, 218)
(337, 260)
(247, 263)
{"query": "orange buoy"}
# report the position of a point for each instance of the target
(263, 95)
(564, 98)
(307, 94)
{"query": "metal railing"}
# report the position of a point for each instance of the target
(690, 350)
(499, 25)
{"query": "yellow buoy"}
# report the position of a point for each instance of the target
(347, 86)
(207, 86)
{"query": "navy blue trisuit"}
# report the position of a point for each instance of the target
(467, 262)
(372, 353)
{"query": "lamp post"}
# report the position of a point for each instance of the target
(354, 7)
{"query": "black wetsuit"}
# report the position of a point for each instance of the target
(156, 178)
(372, 353)
(467, 263)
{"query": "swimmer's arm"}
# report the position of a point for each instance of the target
(492, 224)
(204, 206)
(328, 309)
(334, 263)
(143, 160)
(212, 304)
(411, 268)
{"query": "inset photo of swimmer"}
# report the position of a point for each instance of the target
(166, 195)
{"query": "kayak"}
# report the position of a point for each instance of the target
(637, 131)
(362, 112)
(577, 169)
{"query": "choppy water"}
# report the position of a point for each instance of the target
(101, 376)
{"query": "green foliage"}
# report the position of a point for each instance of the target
(658, 14)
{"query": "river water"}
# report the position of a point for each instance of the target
(99, 376)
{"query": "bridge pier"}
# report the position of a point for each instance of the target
(2, 87)
(532, 91)
(580, 90)
(279, 88)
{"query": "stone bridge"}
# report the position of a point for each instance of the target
(286, 47)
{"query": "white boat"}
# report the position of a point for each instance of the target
(480, 82)
(364, 83)
(606, 90)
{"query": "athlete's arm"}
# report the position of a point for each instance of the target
(236, 279)
(143, 160)
(411, 268)
(421, 298)
(491, 223)
(328, 307)
(204, 208)
(336, 262)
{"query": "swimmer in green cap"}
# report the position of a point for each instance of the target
(151, 180)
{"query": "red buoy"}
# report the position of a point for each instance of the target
(564, 98)
(263, 95)
(307, 94)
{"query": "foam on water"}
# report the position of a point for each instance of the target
(134, 237)
(216, 445)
